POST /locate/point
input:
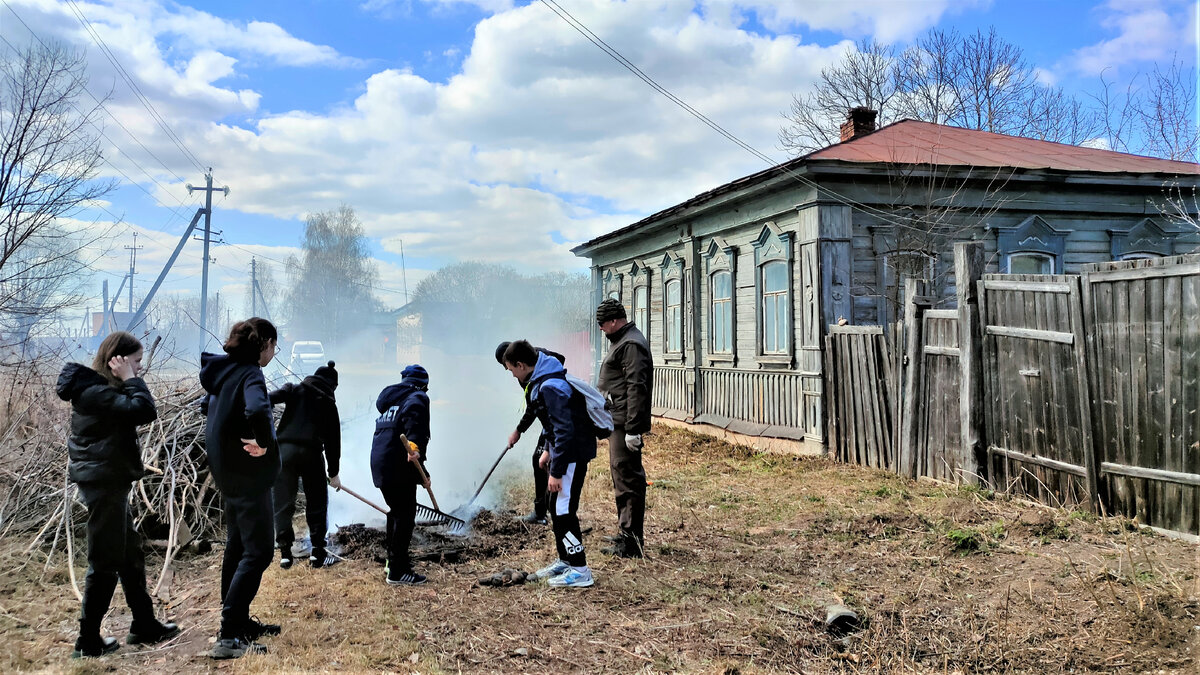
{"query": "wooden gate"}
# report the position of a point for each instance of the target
(1144, 343)
(862, 388)
(1036, 386)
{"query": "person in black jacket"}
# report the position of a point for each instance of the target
(404, 410)
(309, 435)
(243, 458)
(538, 515)
(108, 402)
(570, 445)
(626, 379)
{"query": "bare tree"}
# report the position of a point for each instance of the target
(975, 81)
(864, 77)
(331, 284)
(49, 160)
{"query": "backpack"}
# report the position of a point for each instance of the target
(593, 400)
(602, 421)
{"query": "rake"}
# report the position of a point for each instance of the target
(431, 516)
(426, 517)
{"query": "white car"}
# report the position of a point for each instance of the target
(307, 356)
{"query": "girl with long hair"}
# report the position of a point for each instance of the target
(108, 403)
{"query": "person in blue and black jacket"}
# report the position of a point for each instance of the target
(403, 410)
(570, 445)
(243, 458)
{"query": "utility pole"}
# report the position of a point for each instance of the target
(132, 268)
(208, 190)
(253, 288)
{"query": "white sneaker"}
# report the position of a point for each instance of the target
(573, 578)
(552, 570)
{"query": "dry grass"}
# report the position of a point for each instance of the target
(745, 552)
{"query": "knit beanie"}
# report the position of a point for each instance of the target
(610, 309)
(416, 376)
(500, 352)
(328, 373)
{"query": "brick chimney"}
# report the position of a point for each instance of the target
(860, 121)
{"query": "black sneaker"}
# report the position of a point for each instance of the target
(235, 648)
(285, 561)
(533, 518)
(91, 647)
(253, 629)
(149, 633)
(321, 559)
(404, 578)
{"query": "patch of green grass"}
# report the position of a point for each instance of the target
(967, 540)
(816, 499)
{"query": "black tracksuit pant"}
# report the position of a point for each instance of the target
(564, 506)
(305, 465)
(248, 552)
(540, 476)
(629, 488)
(114, 552)
(401, 520)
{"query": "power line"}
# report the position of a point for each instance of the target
(99, 103)
(583, 30)
(145, 101)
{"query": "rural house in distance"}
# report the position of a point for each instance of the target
(735, 287)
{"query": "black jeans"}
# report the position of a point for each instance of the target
(401, 520)
(539, 480)
(248, 552)
(307, 465)
(564, 507)
(629, 488)
(114, 551)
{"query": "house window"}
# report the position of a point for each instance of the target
(1033, 247)
(1030, 263)
(1142, 241)
(774, 308)
(773, 292)
(674, 315)
(722, 313)
(612, 286)
(641, 308)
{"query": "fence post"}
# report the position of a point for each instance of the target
(915, 305)
(968, 269)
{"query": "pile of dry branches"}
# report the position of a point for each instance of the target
(174, 504)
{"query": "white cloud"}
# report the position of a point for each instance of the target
(886, 20)
(1146, 31)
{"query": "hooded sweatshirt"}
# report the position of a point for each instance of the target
(238, 407)
(563, 415)
(103, 445)
(403, 409)
(310, 419)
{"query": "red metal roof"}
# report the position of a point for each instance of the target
(913, 142)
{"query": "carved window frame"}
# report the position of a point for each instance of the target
(775, 245)
(612, 285)
(639, 279)
(721, 258)
(1145, 240)
(1033, 235)
(672, 266)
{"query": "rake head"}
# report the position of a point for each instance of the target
(430, 517)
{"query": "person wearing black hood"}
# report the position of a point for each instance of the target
(404, 411)
(243, 457)
(540, 504)
(309, 435)
(108, 403)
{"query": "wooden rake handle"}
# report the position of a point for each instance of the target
(421, 472)
(363, 499)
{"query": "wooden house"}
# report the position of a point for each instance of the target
(735, 287)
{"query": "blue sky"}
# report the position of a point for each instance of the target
(489, 129)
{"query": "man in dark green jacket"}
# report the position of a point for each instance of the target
(626, 379)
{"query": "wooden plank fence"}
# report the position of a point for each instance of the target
(1070, 389)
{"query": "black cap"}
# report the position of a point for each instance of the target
(328, 373)
(610, 309)
(500, 352)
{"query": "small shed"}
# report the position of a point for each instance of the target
(735, 287)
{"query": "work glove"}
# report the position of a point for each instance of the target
(633, 442)
(335, 482)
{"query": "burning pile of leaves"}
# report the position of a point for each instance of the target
(488, 535)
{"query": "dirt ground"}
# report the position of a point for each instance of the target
(746, 551)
